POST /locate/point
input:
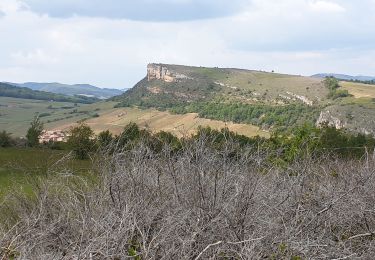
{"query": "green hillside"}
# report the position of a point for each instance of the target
(265, 99)
(71, 90)
(191, 95)
(7, 90)
(228, 84)
(16, 113)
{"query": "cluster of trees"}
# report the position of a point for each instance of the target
(332, 84)
(260, 115)
(284, 146)
(83, 141)
(202, 102)
(7, 90)
(308, 141)
(368, 82)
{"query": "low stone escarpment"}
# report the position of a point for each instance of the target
(160, 72)
(354, 118)
(303, 99)
(327, 118)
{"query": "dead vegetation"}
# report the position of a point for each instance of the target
(199, 203)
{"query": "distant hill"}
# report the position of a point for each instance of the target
(7, 90)
(344, 77)
(227, 94)
(267, 100)
(71, 90)
(176, 84)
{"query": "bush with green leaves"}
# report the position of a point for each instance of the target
(81, 140)
(333, 85)
(105, 138)
(308, 141)
(34, 132)
(5, 139)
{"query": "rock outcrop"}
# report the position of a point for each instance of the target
(304, 99)
(160, 72)
(326, 117)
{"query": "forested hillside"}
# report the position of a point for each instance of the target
(7, 90)
(71, 90)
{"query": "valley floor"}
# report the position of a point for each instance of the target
(180, 125)
(16, 115)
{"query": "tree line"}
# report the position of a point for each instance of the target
(303, 141)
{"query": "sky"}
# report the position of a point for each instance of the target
(109, 43)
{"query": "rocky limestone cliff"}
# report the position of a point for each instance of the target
(161, 72)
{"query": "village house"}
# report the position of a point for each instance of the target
(53, 136)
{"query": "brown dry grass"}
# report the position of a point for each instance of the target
(115, 120)
(359, 90)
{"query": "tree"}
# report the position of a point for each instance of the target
(34, 132)
(105, 138)
(131, 133)
(331, 83)
(81, 141)
(5, 139)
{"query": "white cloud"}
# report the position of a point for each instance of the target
(33, 58)
(325, 6)
(140, 10)
(11, 6)
(282, 35)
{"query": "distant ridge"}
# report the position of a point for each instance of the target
(71, 90)
(7, 90)
(343, 77)
(264, 99)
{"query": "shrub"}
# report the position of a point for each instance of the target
(34, 132)
(105, 138)
(5, 139)
(332, 84)
(199, 203)
(81, 141)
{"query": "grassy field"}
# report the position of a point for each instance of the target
(16, 114)
(272, 84)
(259, 83)
(359, 90)
(18, 165)
(116, 119)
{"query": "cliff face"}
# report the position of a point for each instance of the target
(160, 72)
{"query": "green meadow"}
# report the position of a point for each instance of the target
(17, 113)
(21, 167)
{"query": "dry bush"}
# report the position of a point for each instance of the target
(200, 203)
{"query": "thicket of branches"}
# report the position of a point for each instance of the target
(197, 203)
